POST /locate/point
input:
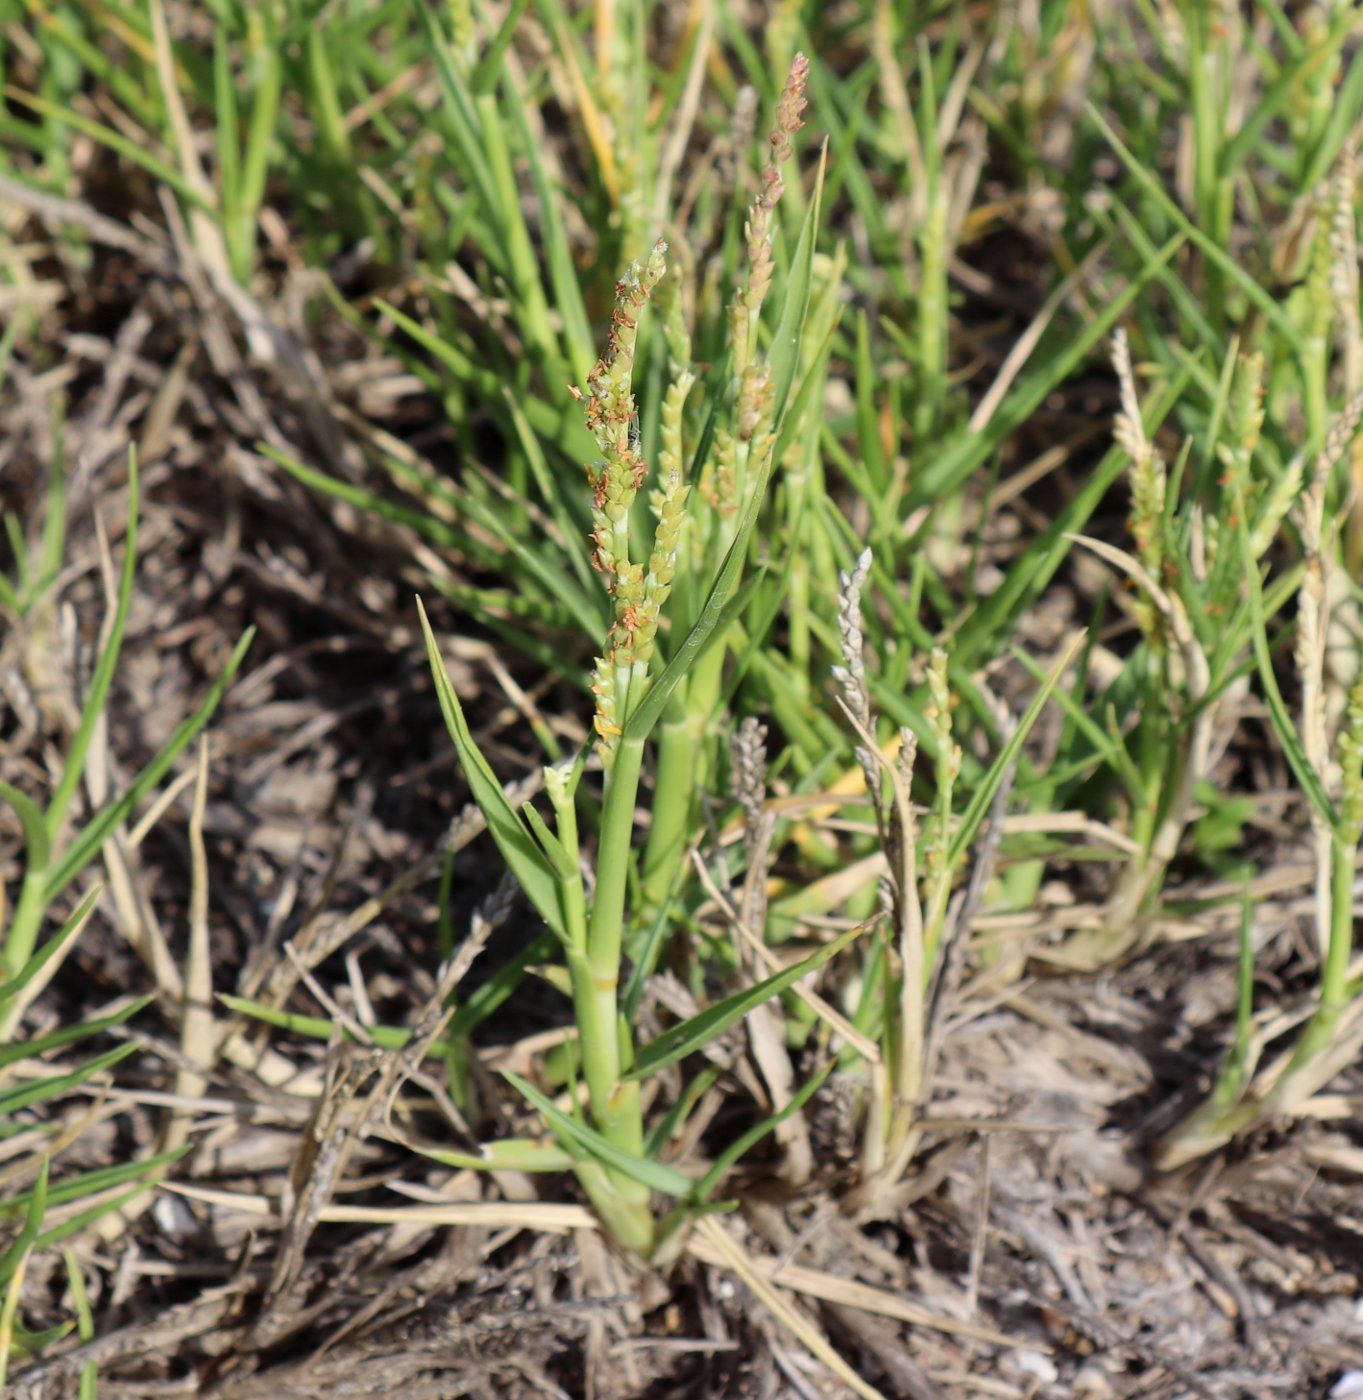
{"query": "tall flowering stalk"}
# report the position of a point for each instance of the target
(1332, 774)
(752, 374)
(1174, 741)
(739, 458)
(1336, 840)
(897, 1087)
(621, 680)
(608, 1152)
(1147, 478)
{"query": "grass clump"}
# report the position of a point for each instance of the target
(699, 549)
(669, 685)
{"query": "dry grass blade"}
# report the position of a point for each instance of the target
(710, 1230)
(847, 1292)
(197, 1037)
(552, 1217)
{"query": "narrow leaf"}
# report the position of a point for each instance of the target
(983, 795)
(38, 961)
(69, 1035)
(745, 1142)
(92, 835)
(678, 1042)
(37, 844)
(320, 1028)
(1293, 748)
(19, 1247)
(41, 1090)
(506, 1155)
(527, 862)
(105, 665)
(73, 1188)
(784, 352)
(1209, 248)
(655, 1175)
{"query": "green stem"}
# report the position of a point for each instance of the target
(606, 1043)
(595, 1016)
(1334, 982)
(619, 1208)
(932, 320)
(1206, 112)
(617, 831)
(674, 786)
(337, 154)
(798, 583)
(459, 1051)
(1302, 1076)
(681, 774)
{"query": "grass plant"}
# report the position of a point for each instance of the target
(699, 548)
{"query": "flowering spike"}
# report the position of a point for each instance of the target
(615, 479)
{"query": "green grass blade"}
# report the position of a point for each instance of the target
(320, 1027)
(85, 1325)
(92, 835)
(1285, 90)
(82, 1221)
(13, 1257)
(784, 353)
(102, 679)
(745, 1142)
(657, 1176)
(524, 858)
(460, 106)
(69, 1035)
(1029, 576)
(1293, 748)
(117, 142)
(37, 842)
(479, 1004)
(983, 795)
(35, 964)
(505, 1155)
(1215, 255)
(40, 1091)
(945, 474)
(709, 628)
(73, 1188)
(699, 1030)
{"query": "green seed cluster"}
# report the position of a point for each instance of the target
(948, 761)
(1351, 766)
(615, 478)
(719, 481)
(620, 678)
(754, 392)
(669, 505)
(669, 501)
